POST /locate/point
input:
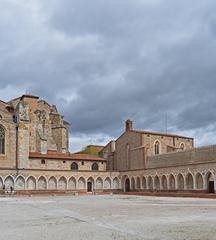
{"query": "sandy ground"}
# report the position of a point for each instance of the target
(107, 217)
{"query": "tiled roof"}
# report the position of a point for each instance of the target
(66, 156)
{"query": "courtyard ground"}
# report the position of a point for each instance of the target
(116, 217)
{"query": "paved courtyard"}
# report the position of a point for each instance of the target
(106, 217)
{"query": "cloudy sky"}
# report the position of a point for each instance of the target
(102, 62)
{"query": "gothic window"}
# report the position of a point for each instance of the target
(74, 166)
(95, 167)
(2, 140)
(157, 148)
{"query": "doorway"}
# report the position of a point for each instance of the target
(89, 187)
(211, 187)
(127, 185)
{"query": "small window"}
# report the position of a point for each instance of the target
(182, 146)
(157, 148)
(74, 166)
(82, 162)
(64, 161)
(95, 167)
(43, 161)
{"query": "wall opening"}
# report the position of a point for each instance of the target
(89, 187)
(211, 187)
(127, 185)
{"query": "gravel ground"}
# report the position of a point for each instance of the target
(117, 217)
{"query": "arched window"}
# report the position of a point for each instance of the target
(182, 147)
(2, 140)
(157, 148)
(74, 166)
(95, 167)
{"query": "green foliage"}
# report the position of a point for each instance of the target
(90, 151)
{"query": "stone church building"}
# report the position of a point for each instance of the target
(34, 156)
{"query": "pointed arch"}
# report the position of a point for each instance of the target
(90, 184)
(210, 182)
(20, 183)
(157, 183)
(133, 184)
(42, 183)
(116, 184)
(72, 183)
(199, 181)
(172, 182)
(95, 167)
(107, 183)
(91, 179)
(1, 183)
(81, 183)
(9, 182)
(150, 183)
(189, 181)
(157, 147)
(144, 184)
(125, 181)
(99, 183)
(180, 181)
(182, 146)
(52, 183)
(74, 166)
(62, 183)
(31, 183)
(164, 184)
(138, 183)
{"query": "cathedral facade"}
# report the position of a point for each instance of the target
(34, 156)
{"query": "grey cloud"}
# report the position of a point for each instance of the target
(101, 62)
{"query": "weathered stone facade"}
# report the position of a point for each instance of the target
(34, 156)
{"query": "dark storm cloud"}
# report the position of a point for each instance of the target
(102, 62)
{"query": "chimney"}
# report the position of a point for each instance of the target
(128, 125)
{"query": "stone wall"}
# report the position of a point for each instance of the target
(64, 164)
(193, 156)
(128, 155)
(8, 160)
(167, 143)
